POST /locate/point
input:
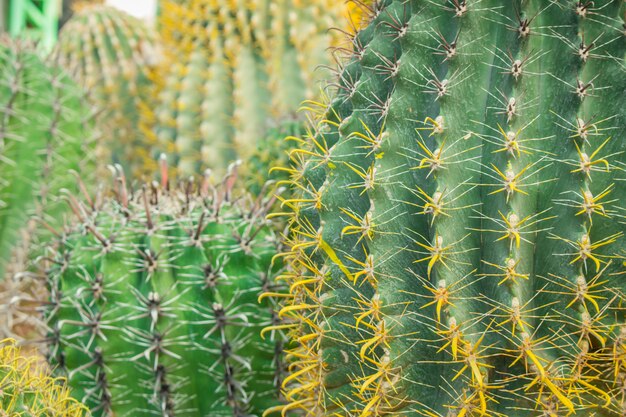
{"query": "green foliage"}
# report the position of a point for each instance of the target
(110, 54)
(29, 390)
(154, 302)
(457, 240)
(45, 131)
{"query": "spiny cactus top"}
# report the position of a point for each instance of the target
(45, 131)
(153, 307)
(28, 390)
(110, 53)
(233, 68)
(458, 242)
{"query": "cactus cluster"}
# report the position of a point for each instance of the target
(233, 68)
(29, 390)
(154, 304)
(45, 132)
(457, 241)
(110, 54)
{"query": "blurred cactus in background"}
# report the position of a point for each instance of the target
(154, 305)
(45, 133)
(28, 390)
(233, 70)
(110, 54)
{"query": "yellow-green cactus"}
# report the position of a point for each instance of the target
(232, 68)
(457, 234)
(27, 389)
(110, 54)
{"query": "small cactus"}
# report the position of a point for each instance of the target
(153, 302)
(457, 235)
(110, 53)
(232, 69)
(29, 390)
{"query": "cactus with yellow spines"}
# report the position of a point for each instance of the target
(109, 53)
(233, 68)
(29, 390)
(154, 302)
(457, 241)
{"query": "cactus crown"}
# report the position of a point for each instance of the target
(28, 389)
(457, 237)
(153, 305)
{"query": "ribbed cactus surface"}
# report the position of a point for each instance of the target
(29, 390)
(110, 54)
(45, 131)
(154, 303)
(233, 67)
(457, 245)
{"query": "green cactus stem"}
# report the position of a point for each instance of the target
(110, 54)
(457, 242)
(154, 302)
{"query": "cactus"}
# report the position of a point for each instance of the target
(45, 131)
(272, 155)
(110, 53)
(232, 68)
(457, 242)
(29, 390)
(153, 306)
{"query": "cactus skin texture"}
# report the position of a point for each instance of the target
(45, 131)
(153, 306)
(457, 243)
(110, 54)
(232, 69)
(29, 390)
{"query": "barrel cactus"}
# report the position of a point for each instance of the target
(29, 390)
(231, 69)
(110, 53)
(45, 132)
(153, 305)
(457, 244)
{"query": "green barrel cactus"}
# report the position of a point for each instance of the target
(457, 242)
(29, 390)
(231, 70)
(110, 54)
(45, 132)
(154, 304)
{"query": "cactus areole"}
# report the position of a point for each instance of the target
(153, 307)
(457, 239)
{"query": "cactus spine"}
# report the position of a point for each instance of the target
(457, 244)
(45, 131)
(29, 390)
(110, 53)
(153, 306)
(234, 69)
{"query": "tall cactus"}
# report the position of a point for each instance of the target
(45, 132)
(233, 68)
(29, 390)
(110, 54)
(153, 307)
(457, 243)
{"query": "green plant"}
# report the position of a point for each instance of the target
(153, 305)
(29, 390)
(45, 132)
(457, 241)
(232, 70)
(110, 54)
